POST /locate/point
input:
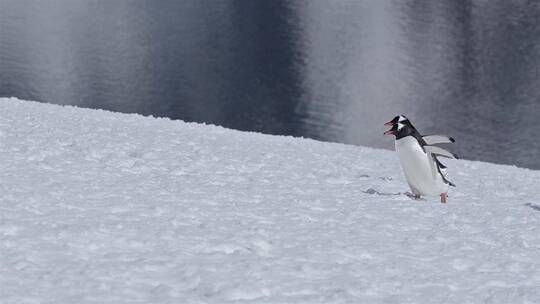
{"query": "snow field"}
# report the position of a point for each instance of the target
(101, 207)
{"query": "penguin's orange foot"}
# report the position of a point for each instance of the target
(444, 198)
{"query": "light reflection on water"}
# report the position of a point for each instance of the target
(333, 71)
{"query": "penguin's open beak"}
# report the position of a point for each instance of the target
(391, 131)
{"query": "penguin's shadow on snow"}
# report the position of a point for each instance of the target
(533, 206)
(373, 191)
(408, 194)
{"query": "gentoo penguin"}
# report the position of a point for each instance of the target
(425, 174)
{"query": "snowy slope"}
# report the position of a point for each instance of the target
(100, 207)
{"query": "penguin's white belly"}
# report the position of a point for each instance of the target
(419, 169)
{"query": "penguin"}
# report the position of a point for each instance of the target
(418, 156)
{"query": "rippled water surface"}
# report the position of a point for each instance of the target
(330, 70)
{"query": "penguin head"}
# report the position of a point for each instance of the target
(397, 119)
(401, 127)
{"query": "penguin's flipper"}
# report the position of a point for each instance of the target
(442, 170)
(439, 151)
(437, 139)
(441, 165)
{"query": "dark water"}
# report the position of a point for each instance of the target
(329, 70)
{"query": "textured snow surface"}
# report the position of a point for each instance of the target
(100, 207)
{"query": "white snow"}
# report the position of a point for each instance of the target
(100, 207)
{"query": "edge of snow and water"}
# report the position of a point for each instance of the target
(103, 207)
(210, 125)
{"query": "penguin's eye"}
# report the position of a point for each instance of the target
(400, 126)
